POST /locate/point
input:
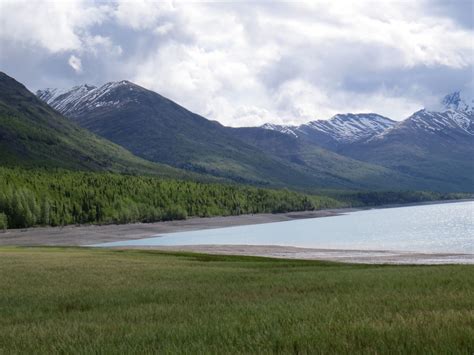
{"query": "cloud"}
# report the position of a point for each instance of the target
(248, 63)
(54, 25)
(164, 29)
(75, 63)
(142, 14)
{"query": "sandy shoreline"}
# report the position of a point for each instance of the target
(95, 234)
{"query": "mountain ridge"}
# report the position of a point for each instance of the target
(336, 153)
(158, 129)
(341, 128)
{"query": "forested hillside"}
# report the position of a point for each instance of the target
(40, 197)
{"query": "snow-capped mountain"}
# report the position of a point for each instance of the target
(350, 128)
(455, 121)
(79, 99)
(430, 149)
(157, 129)
(457, 101)
(455, 114)
(64, 100)
(434, 145)
(342, 128)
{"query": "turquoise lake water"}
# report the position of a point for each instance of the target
(437, 228)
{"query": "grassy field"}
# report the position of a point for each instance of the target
(56, 300)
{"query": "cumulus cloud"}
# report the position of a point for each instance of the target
(248, 63)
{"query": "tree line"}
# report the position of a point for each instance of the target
(31, 197)
(34, 197)
(377, 198)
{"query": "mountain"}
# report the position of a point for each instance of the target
(364, 150)
(158, 129)
(33, 134)
(451, 123)
(328, 168)
(432, 145)
(455, 101)
(340, 129)
(434, 148)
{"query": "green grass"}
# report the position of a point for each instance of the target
(56, 300)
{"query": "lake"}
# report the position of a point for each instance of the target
(436, 228)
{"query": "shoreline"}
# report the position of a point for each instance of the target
(83, 235)
(88, 235)
(352, 256)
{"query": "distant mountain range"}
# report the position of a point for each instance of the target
(428, 151)
(342, 128)
(435, 146)
(160, 130)
(427, 144)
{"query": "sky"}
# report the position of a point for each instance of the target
(245, 63)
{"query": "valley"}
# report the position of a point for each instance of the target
(65, 170)
(236, 177)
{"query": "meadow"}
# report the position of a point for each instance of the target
(72, 300)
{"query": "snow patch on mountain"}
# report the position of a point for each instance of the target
(349, 128)
(344, 128)
(51, 95)
(290, 130)
(86, 97)
(63, 99)
(433, 122)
